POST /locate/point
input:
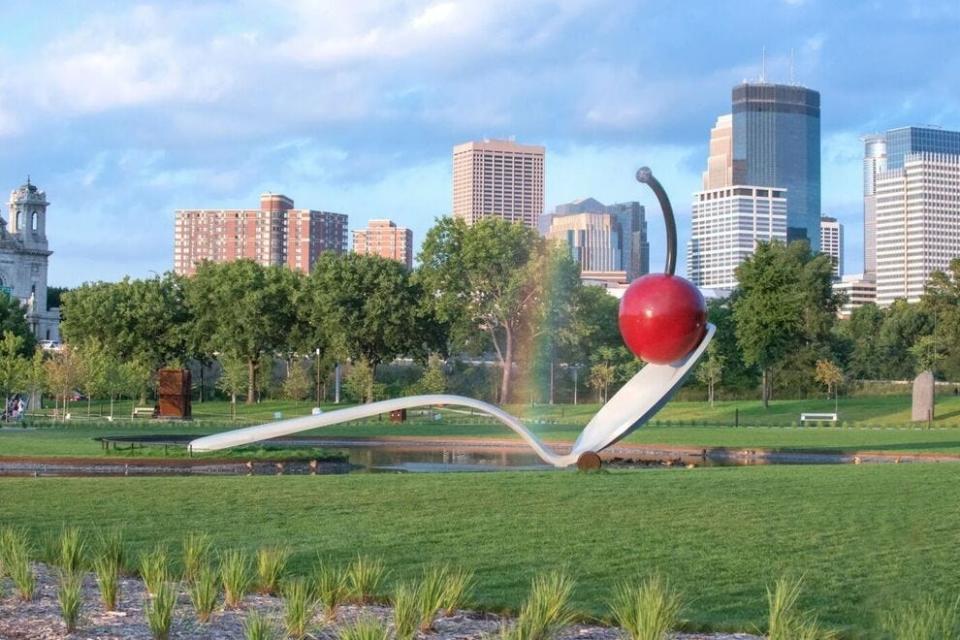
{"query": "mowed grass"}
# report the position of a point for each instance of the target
(878, 423)
(863, 537)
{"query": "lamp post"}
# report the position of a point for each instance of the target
(316, 363)
(336, 383)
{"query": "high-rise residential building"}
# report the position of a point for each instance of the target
(604, 238)
(888, 151)
(918, 222)
(858, 289)
(776, 144)
(498, 178)
(275, 234)
(719, 171)
(727, 224)
(385, 239)
(831, 243)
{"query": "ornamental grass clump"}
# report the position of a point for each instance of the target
(111, 545)
(299, 606)
(70, 598)
(546, 611)
(458, 587)
(108, 579)
(204, 590)
(236, 575)
(271, 563)
(159, 610)
(197, 548)
(258, 627)
(330, 588)
(71, 548)
(365, 575)
(365, 628)
(431, 594)
(406, 610)
(927, 619)
(16, 561)
(155, 569)
(785, 620)
(647, 610)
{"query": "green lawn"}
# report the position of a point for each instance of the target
(864, 537)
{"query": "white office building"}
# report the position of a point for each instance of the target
(727, 224)
(831, 243)
(918, 223)
(859, 290)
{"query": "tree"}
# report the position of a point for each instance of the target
(903, 325)
(13, 318)
(941, 300)
(785, 301)
(367, 308)
(359, 381)
(483, 281)
(829, 375)
(297, 385)
(234, 378)
(36, 378)
(94, 364)
(710, 371)
(63, 375)
(433, 380)
(14, 368)
(862, 331)
(927, 354)
(242, 309)
(601, 377)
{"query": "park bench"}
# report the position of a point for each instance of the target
(818, 417)
(142, 412)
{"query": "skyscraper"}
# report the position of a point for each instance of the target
(274, 234)
(776, 144)
(385, 239)
(888, 151)
(498, 178)
(719, 171)
(918, 221)
(604, 238)
(831, 243)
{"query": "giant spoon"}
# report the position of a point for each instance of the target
(662, 320)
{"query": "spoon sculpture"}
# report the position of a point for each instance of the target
(663, 320)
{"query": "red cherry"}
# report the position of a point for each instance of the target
(662, 317)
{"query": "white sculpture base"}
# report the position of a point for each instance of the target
(629, 409)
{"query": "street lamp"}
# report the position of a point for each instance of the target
(316, 363)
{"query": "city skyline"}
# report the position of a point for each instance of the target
(126, 113)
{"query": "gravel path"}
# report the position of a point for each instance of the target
(40, 618)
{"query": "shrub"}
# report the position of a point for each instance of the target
(259, 627)
(330, 588)
(648, 610)
(159, 610)
(196, 554)
(271, 563)
(927, 619)
(70, 550)
(364, 577)
(365, 628)
(406, 611)
(299, 606)
(204, 590)
(235, 572)
(70, 597)
(155, 569)
(108, 579)
(546, 611)
(785, 620)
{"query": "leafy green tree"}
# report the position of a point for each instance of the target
(736, 373)
(36, 378)
(433, 380)
(927, 354)
(234, 379)
(862, 331)
(359, 381)
(63, 371)
(242, 309)
(94, 365)
(601, 377)
(367, 308)
(941, 300)
(13, 318)
(485, 283)
(297, 385)
(785, 301)
(829, 375)
(903, 325)
(710, 370)
(14, 367)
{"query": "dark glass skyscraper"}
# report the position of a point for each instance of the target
(907, 140)
(776, 143)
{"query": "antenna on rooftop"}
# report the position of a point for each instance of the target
(763, 65)
(792, 80)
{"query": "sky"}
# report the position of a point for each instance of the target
(123, 111)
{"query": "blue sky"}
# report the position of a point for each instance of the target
(126, 111)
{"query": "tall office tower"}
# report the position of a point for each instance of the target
(874, 161)
(918, 222)
(498, 178)
(727, 223)
(625, 234)
(385, 239)
(776, 143)
(888, 151)
(719, 171)
(274, 234)
(831, 243)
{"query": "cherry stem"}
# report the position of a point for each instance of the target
(645, 176)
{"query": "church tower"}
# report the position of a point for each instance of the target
(28, 216)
